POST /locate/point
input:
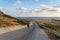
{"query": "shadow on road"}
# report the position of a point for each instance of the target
(16, 35)
(13, 34)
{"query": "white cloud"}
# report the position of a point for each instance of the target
(17, 12)
(43, 11)
(17, 3)
(23, 8)
(45, 14)
(44, 7)
(36, 9)
(14, 5)
(1, 8)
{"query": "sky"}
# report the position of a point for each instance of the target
(31, 8)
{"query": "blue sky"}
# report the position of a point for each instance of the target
(27, 5)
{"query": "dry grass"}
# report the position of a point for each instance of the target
(52, 24)
(51, 35)
(7, 21)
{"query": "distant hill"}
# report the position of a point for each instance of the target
(40, 18)
(6, 20)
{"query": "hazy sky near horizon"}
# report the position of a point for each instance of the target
(31, 8)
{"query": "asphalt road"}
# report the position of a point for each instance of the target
(35, 33)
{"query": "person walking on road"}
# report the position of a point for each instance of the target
(28, 26)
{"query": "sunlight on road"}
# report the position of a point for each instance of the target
(5, 30)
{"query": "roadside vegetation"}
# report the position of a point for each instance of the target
(52, 24)
(51, 34)
(24, 22)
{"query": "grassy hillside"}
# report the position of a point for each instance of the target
(7, 21)
(52, 24)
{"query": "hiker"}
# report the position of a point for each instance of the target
(28, 26)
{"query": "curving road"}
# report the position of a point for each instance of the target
(35, 33)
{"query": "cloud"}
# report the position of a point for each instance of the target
(43, 11)
(16, 3)
(1, 8)
(47, 8)
(45, 14)
(23, 8)
(17, 11)
(44, 7)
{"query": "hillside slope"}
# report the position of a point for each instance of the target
(6, 20)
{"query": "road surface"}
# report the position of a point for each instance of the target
(35, 33)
